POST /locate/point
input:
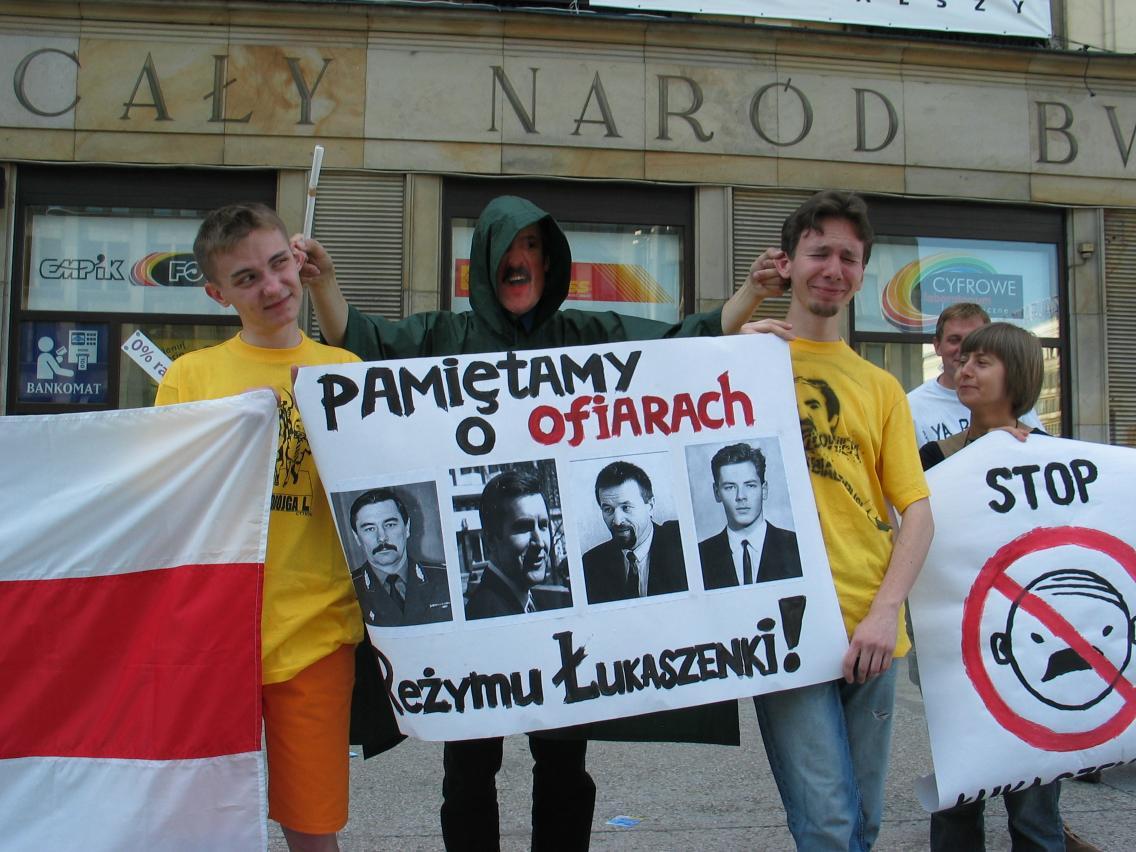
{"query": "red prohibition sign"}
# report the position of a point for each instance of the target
(994, 577)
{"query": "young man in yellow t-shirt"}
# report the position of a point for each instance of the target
(828, 743)
(311, 620)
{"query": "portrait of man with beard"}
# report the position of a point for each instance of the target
(642, 557)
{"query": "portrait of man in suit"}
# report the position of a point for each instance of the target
(393, 589)
(642, 557)
(749, 549)
(517, 534)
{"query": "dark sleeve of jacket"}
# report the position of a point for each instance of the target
(710, 724)
(491, 598)
(667, 572)
(718, 570)
(604, 578)
(373, 725)
(374, 338)
(780, 556)
(573, 327)
(930, 455)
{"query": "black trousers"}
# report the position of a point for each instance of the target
(564, 795)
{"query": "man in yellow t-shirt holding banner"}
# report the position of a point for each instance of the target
(311, 620)
(861, 453)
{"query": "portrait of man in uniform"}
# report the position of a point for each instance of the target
(394, 589)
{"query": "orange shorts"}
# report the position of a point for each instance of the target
(306, 721)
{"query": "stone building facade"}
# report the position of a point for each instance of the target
(672, 147)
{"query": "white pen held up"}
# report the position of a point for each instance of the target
(313, 181)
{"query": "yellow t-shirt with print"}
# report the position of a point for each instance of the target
(860, 446)
(310, 608)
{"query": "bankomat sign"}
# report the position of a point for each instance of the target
(63, 362)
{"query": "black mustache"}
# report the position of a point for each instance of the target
(1064, 662)
(384, 546)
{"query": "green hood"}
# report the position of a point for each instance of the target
(501, 220)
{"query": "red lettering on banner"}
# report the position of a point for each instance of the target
(590, 416)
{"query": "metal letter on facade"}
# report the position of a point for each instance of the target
(527, 119)
(1125, 148)
(862, 122)
(1044, 129)
(150, 73)
(21, 74)
(220, 85)
(806, 109)
(687, 114)
(302, 87)
(608, 120)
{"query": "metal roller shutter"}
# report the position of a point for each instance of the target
(360, 221)
(1120, 323)
(758, 216)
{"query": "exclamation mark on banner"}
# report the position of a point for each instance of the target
(792, 616)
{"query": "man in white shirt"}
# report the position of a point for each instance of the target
(935, 405)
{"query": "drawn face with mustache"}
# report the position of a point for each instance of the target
(382, 533)
(520, 274)
(1055, 672)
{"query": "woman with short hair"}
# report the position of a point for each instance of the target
(999, 379)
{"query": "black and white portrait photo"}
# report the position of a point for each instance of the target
(511, 539)
(742, 514)
(393, 538)
(629, 534)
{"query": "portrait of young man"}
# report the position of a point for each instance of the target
(748, 549)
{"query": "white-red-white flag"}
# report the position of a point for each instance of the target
(131, 565)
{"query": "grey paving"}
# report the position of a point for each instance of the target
(692, 797)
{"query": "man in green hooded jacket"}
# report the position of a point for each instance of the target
(519, 274)
(524, 313)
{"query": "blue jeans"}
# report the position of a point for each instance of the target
(828, 747)
(1033, 817)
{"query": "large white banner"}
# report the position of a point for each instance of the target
(1029, 18)
(1024, 616)
(521, 611)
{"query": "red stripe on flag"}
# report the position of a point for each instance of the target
(156, 665)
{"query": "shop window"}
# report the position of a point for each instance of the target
(632, 246)
(101, 253)
(929, 256)
(112, 260)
